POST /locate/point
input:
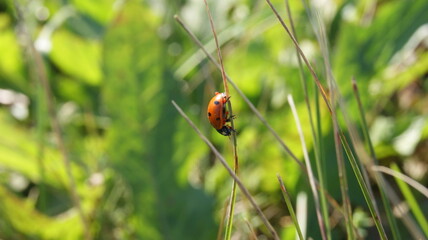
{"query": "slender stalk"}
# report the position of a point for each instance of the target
(363, 186)
(308, 64)
(229, 225)
(316, 141)
(378, 178)
(308, 165)
(344, 189)
(44, 82)
(287, 199)
(220, 228)
(231, 173)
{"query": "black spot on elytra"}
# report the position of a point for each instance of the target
(216, 102)
(209, 114)
(218, 119)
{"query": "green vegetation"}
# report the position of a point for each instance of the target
(92, 148)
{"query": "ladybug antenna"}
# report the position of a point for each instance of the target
(223, 73)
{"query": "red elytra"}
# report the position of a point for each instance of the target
(217, 114)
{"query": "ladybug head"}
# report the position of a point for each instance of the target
(226, 130)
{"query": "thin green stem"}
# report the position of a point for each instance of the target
(287, 199)
(378, 178)
(220, 228)
(229, 225)
(363, 186)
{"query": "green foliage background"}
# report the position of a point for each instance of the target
(140, 170)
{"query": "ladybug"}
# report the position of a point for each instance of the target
(217, 114)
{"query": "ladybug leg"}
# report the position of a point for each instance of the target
(232, 117)
(227, 99)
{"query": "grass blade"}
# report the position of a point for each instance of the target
(379, 179)
(290, 207)
(308, 166)
(397, 174)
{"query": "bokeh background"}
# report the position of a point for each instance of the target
(138, 169)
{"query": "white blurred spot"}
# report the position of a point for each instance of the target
(43, 44)
(18, 182)
(7, 97)
(67, 111)
(164, 31)
(381, 129)
(42, 13)
(406, 143)
(96, 179)
(349, 13)
(416, 169)
(241, 12)
(174, 49)
(19, 111)
(18, 103)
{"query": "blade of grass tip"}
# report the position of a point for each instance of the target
(229, 225)
(378, 178)
(308, 166)
(254, 109)
(44, 82)
(318, 163)
(230, 171)
(287, 199)
(401, 180)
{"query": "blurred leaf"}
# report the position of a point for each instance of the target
(77, 56)
(11, 65)
(100, 10)
(19, 154)
(18, 218)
